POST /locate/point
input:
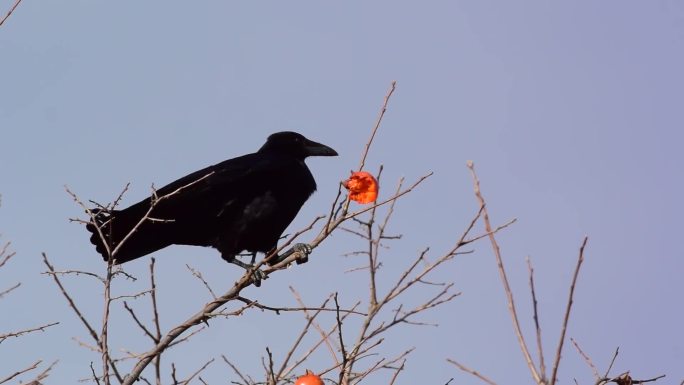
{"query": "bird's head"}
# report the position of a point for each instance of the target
(295, 144)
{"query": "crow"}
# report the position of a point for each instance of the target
(241, 204)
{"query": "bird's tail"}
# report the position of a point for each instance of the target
(120, 232)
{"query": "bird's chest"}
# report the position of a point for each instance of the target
(257, 219)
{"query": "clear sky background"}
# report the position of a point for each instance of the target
(572, 112)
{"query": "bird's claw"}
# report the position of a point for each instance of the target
(304, 250)
(257, 276)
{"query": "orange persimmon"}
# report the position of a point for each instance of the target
(309, 379)
(362, 186)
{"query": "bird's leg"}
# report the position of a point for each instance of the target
(257, 274)
(302, 248)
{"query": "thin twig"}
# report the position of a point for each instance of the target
(277, 310)
(197, 274)
(586, 359)
(270, 372)
(42, 375)
(377, 123)
(396, 372)
(471, 371)
(139, 323)
(104, 334)
(16, 4)
(537, 328)
(197, 372)
(566, 318)
(236, 370)
(345, 358)
(20, 372)
(157, 328)
(6, 256)
(19, 333)
(612, 361)
(92, 371)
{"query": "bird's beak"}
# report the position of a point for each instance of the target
(318, 149)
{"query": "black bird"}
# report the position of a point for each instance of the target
(241, 204)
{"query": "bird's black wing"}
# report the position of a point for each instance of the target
(192, 213)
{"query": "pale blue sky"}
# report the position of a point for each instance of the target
(572, 112)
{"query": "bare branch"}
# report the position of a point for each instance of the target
(504, 279)
(177, 331)
(77, 272)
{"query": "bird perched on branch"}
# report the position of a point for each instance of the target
(241, 204)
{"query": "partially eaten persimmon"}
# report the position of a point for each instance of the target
(362, 186)
(309, 379)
